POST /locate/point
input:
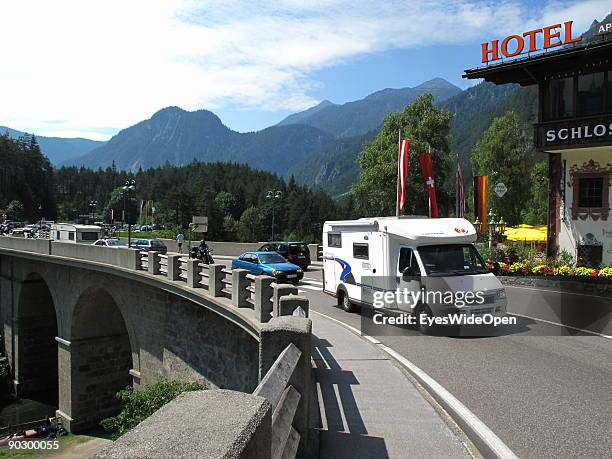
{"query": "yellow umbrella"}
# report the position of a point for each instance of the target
(526, 233)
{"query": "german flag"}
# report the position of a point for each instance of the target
(481, 199)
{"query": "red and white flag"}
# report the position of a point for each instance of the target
(427, 173)
(402, 173)
(460, 204)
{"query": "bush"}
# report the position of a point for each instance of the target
(139, 405)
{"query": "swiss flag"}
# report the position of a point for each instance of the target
(402, 173)
(427, 173)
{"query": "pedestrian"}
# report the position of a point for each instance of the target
(179, 241)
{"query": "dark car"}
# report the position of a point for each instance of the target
(154, 245)
(295, 252)
(269, 263)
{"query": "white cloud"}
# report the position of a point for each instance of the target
(108, 64)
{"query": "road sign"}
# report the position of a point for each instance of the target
(199, 224)
(500, 189)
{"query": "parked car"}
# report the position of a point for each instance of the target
(8, 225)
(269, 263)
(111, 242)
(295, 252)
(150, 244)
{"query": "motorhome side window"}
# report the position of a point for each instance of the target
(361, 251)
(407, 259)
(334, 240)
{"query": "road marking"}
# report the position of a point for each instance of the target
(312, 282)
(310, 287)
(484, 438)
(561, 325)
(556, 291)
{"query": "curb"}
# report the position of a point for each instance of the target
(485, 440)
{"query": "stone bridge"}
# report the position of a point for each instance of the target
(88, 321)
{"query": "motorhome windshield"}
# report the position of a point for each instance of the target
(451, 260)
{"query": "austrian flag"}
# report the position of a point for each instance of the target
(402, 173)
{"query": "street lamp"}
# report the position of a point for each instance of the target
(273, 195)
(92, 208)
(496, 228)
(130, 185)
(41, 218)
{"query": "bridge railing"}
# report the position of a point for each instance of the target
(261, 293)
(244, 290)
(276, 388)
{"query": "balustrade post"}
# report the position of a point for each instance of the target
(263, 298)
(193, 273)
(153, 262)
(174, 263)
(240, 293)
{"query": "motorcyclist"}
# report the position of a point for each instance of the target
(204, 252)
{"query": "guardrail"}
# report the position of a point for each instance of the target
(260, 293)
(284, 399)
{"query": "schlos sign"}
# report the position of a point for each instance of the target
(551, 38)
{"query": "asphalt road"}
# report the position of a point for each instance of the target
(543, 394)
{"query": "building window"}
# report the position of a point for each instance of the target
(334, 240)
(590, 192)
(560, 98)
(361, 251)
(591, 184)
(591, 93)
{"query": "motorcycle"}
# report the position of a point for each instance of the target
(202, 253)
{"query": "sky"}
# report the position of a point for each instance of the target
(74, 68)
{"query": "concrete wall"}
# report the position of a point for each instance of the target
(207, 424)
(28, 245)
(124, 258)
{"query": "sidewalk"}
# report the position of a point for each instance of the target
(368, 407)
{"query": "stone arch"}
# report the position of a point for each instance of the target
(100, 359)
(36, 366)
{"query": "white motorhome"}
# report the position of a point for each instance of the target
(67, 232)
(403, 254)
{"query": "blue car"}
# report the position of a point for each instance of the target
(270, 264)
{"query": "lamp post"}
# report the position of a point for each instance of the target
(130, 185)
(41, 217)
(92, 208)
(273, 195)
(496, 228)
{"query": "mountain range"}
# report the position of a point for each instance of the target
(318, 146)
(57, 149)
(179, 137)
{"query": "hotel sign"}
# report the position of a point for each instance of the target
(513, 45)
(593, 131)
(604, 27)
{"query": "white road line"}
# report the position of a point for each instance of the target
(311, 287)
(561, 325)
(484, 438)
(312, 282)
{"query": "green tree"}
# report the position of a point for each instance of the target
(226, 202)
(537, 209)
(14, 211)
(251, 227)
(426, 126)
(231, 228)
(505, 154)
(118, 202)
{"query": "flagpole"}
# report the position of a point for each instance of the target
(428, 195)
(399, 148)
